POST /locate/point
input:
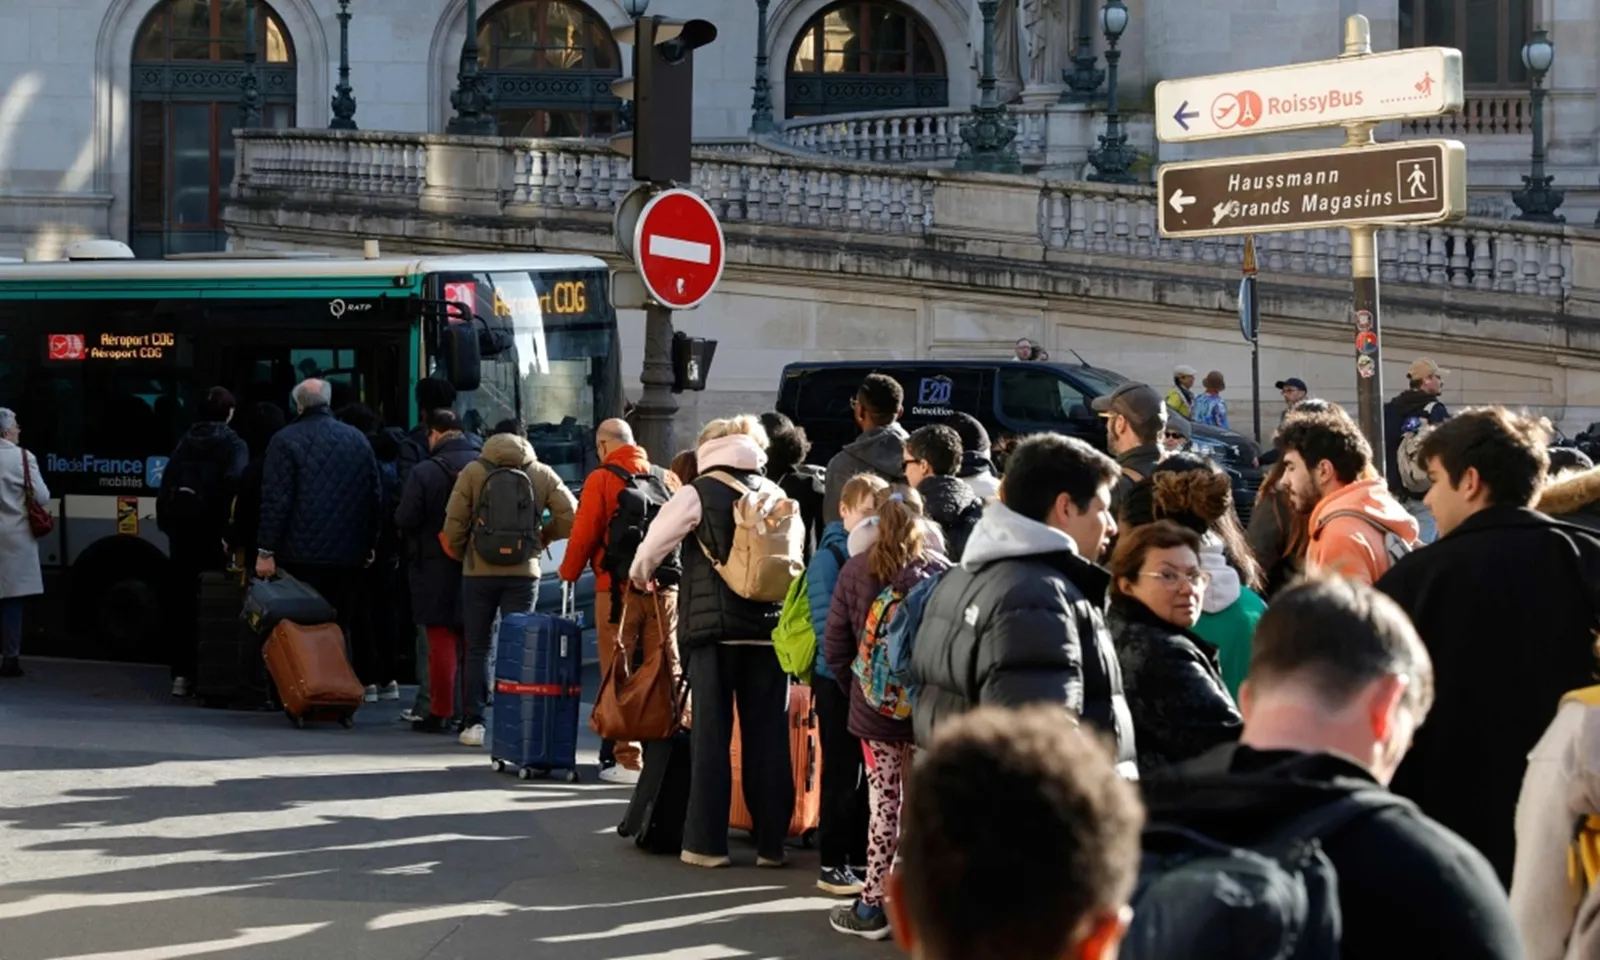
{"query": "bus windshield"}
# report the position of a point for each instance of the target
(553, 363)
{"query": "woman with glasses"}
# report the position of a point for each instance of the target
(1170, 676)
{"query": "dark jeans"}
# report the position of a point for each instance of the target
(11, 627)
(481, 599)
(182, 605)
(842, 834)
(338, 585)
(717, 674)
(377, 623)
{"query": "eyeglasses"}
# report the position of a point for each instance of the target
(1176, 436)
(1171, 578)
(910, 462)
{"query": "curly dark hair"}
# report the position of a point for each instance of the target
(1331, 437)
(787, 444)
(1191, 490)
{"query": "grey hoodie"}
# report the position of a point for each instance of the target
(881, 450)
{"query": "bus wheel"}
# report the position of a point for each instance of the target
(117, 600)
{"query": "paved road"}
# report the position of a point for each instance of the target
(133, 828)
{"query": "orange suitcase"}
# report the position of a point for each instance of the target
(312, 674)
(805, 756)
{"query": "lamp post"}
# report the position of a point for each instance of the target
(989, 133)
(250, 82)
(344, 100)
(1112, 160)
(1537, 201)
(472, 97)
(761, 105)
(1083, 80)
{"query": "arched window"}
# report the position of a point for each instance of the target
(550, 64)
(1489, 34)
(187, 72)
(857, 56)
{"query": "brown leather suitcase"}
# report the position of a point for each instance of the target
(805, 757)
(312, 674)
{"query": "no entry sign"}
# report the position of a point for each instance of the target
(677, 244)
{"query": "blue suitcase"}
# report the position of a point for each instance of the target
(538, 680)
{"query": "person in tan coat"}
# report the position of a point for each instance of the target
(488, 587)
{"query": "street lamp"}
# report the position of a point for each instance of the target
(1083, 80)
(1537, 200)
(1112, 160)
(344, 100)
(472, 97)
(250, 82)
(761, 105)
(989, 133)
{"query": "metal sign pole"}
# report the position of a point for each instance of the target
(1364, 275)
(1250, 304)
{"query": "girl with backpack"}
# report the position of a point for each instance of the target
(870, 588)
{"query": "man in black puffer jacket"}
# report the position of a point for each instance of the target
(320, 501)
(1022, 620)
(933, 457)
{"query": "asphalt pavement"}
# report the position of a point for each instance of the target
(133, 827)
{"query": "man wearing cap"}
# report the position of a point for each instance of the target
(1418, 406)
(1293, 390)
(1181, 396)
(1135, 417)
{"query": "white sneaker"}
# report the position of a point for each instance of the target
(390, 691)
(410, 716)
(372, 694)
(472, 736)
(180, 687)
(619, 774)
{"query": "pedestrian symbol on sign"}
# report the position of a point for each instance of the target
(1417, 180)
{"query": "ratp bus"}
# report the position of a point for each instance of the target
(104, 360)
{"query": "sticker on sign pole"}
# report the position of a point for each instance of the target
(678, 246)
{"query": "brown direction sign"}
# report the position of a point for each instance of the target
(1422, 181)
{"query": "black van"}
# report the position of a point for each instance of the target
(1010, 398)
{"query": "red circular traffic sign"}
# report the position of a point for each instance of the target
(677, 244)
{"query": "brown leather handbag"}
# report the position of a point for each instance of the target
(643, 703)
(39, 519)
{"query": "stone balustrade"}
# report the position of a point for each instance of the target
(841, 201)
(907, 136)
(1508, 113)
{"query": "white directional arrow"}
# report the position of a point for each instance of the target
(1178, 201)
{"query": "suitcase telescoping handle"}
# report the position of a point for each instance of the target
(569, 600)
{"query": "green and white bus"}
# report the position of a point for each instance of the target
(104, 359)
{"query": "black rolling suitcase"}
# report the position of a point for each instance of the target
(231, 673)
(660, 803)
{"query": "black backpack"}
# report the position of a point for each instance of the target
(1199, 898)
(642, 496)
(506, 526)
(190, 499)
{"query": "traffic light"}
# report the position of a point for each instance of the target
(662, 92)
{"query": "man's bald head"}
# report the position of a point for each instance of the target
(615, 432)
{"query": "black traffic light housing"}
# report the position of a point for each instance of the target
(691, 361)
(662, 92)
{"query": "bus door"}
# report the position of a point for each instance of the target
(370, 370)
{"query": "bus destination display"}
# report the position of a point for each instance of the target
(111, 346)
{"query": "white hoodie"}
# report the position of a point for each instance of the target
(866, 534)
(1225, 587)
(680, 515)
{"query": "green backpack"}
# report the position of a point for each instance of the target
(793, 639)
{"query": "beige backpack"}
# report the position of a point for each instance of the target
(768, 541)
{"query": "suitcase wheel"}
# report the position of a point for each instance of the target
(299, 722)
(572, 776)
(526, 773)
(499, 766)
(347, 721)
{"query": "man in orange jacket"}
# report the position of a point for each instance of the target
(1357, 527)
(618, 501)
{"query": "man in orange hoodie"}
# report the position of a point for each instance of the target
(619, 500)
(1357, 527)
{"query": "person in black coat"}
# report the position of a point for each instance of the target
(933, 457)
(1506, 604)
(435, 577)
(1022, 620)
(1181, 707)
(804, 483)
(257, 426)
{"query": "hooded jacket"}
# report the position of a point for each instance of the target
(223, 456)
(714, 613)
(1141, 460)
(881, 450)
(1020, 621)
(1575, 498)
(822, 576)
(591, 526)
(549, 493)
(1228, 615)
(321, 498)
(1353, 546)
(1409, 889)
(1173, 685)
(433, 575)
(1396, 412)
(953, 505)
(1506, 604)
(852, 601)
